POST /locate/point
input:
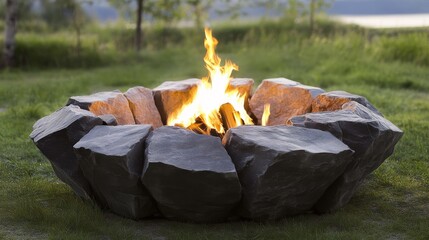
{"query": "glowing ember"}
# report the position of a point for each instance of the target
(214, 108)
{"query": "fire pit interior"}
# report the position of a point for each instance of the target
(212, 149)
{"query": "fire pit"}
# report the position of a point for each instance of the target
(211, 149)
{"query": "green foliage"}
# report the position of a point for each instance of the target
(60, 14)
(413, 48)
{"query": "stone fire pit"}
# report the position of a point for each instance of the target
(316, 149)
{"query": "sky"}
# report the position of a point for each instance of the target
(102, 10)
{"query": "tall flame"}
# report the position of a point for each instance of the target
(265, 115)
(214, 106)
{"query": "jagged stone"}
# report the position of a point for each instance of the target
(371, 136)
(284, 170)
(111, 158)
(244, 87)
(287, 98)
(101, 103)
(143, 107)
(333, 101)
(172, 95)
(55, 136)
(190, 176)
(108, 119)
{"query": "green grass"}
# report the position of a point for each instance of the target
(392, 204)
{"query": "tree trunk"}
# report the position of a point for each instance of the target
(139, 33)
(312, 12)
(10, 31)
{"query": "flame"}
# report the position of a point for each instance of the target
(265, 115)
(214, 107)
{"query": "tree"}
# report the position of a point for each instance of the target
(11, 18)
(315, 6)
(66, 13)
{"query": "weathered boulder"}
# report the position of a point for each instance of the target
(244, 87)
(371, 136)
(101, 103)
(333, 101)
(286, 98)
(143, 107)
(55, 136)
(190, 176)
(108, 119)
(111, 158)
(284, 170)
(170, 96)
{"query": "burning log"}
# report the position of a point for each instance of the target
(111, 158)
(286, 98)
(284, 170)
(143, 107)
(230, 117)
(333, 101)
(55, 136)
(371, 136)
(194, 179)
(171, 96)
(102, 103)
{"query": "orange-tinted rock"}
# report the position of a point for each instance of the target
(287, 98)
(143, 107)
(244, 86)
(333, 101)
(101, 103)
(172, 95)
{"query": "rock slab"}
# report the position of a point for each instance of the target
(143, 107)
(284, 170)
(55, 136)
(111, 158)
(371, 136)
(101, 103)
(170, 96)
(287, 98)
(190, 176)
(333, 101)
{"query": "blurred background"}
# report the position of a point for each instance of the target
(85, 33)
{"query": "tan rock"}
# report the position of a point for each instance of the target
(333, 101)
(101, 103)
(172, 95)
(142, 105)
(244, 86)
(287, 98)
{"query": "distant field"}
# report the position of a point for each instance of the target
(391, 71)
(386, 21)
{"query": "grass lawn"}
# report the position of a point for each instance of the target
(392, 204)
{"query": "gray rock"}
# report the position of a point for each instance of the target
(111, 158)
(333, 101)
(284, 170)
(286, 98)
(108, 119)
(170, 96)
(371, 136)
(55, 136)
(101, 103)
(143, 107)
(190, 176)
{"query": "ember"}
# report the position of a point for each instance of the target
(156, 155)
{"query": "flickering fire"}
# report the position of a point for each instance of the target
(214, 108)
(265, 115)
